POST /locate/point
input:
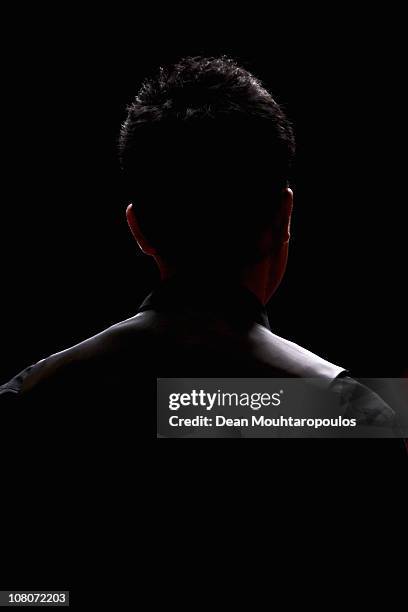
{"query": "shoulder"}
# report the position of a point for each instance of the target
(362, 403)
(99, 352)
(290, 358)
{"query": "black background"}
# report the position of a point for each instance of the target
(69, 264)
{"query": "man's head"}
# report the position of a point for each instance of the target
(206, 154)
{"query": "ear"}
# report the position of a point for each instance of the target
(286, 214)
(133, 223)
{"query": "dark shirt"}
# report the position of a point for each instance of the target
(72, 424)
(181, 330)
(80, 414)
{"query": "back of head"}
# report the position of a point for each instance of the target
(205, 152)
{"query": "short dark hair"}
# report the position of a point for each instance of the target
(205, 151)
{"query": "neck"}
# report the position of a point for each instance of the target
(255, 277)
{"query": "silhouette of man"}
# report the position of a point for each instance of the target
(206, 154)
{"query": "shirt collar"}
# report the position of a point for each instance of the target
(228, 299)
